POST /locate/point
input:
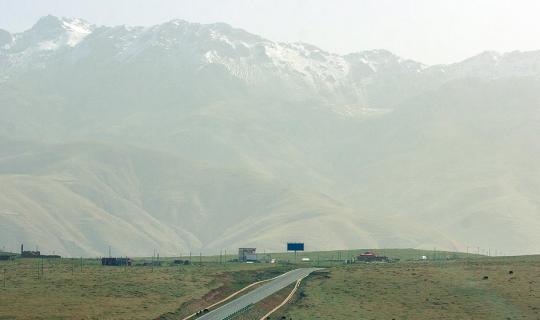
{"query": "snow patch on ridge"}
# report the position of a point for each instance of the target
(310, 62)
(77, 30)
(73, 31)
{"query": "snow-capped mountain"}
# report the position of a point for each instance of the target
(302, 69)
(494, 65)
(34, 46)
(49, 33)
(372, 79)
(205, 135)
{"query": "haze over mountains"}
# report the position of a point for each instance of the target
(186, 136)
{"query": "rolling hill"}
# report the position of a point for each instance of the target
(186, 136)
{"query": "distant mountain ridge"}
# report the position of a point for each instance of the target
(245, 56)
(187, 136)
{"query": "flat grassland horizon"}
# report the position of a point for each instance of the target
(447, 286)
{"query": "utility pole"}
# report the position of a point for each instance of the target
(153, 255)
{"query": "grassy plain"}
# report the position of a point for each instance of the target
(451, 287)
(63, 291)
(422, 290)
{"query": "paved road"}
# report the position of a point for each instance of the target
(258, 294)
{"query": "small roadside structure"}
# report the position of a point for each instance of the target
(7, 256)
(247, 254)
(116, 261)
(370, 256)
(36, 254)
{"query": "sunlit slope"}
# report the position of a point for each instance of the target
(80, 198)
(451, 168)
(464, 160)
(206, 136)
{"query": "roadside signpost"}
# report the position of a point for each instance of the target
(295, 246)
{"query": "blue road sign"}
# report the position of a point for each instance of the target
(295, 246)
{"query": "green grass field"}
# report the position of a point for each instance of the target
(448, 286)
(422, 290)
(63, 291)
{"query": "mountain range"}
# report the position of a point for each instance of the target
(204, 137)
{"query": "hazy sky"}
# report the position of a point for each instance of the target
(431, 31)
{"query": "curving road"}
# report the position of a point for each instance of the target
(258, 294)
